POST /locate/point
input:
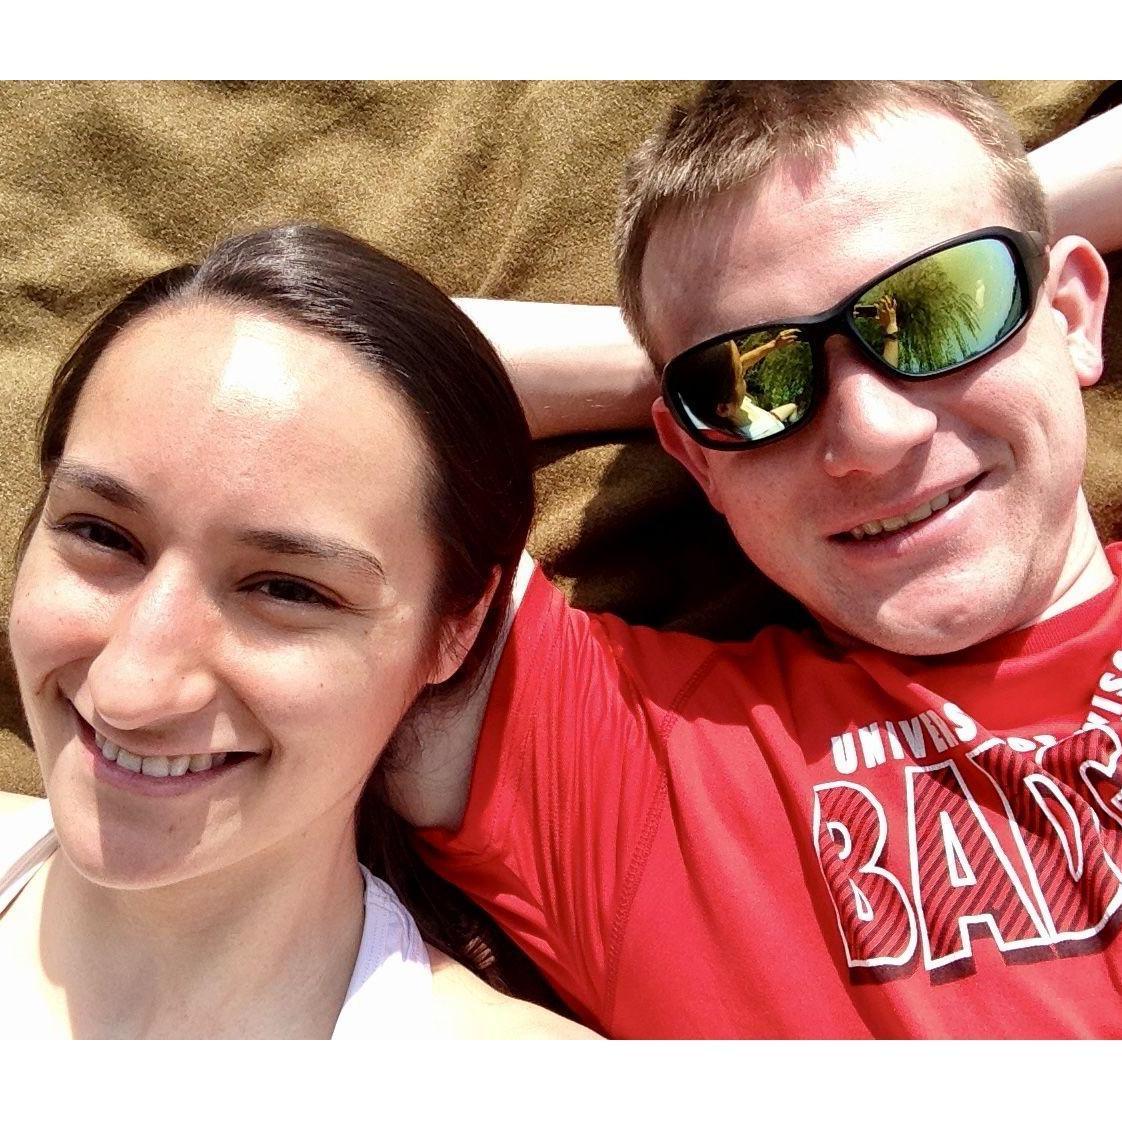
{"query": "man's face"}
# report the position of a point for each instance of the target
(1003, 442)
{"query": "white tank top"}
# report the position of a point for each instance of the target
(390, 993)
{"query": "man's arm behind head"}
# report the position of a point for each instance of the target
(428, 782)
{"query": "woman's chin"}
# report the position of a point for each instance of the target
(114, 862)
(117, 840)
(114, 852)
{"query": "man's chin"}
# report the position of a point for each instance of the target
(917, 633)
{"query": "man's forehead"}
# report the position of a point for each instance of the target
(804, 238)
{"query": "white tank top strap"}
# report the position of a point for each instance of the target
(390, 995)
(27, 839)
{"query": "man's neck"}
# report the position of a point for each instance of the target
(1086, 571)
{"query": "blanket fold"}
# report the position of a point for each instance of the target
(501, 189)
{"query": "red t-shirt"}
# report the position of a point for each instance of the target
(781, 838)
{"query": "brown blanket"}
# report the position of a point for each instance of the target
(492, 189)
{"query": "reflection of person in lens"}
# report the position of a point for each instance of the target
(886, 321)
(740, 410)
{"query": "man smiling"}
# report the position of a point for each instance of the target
(907, 822)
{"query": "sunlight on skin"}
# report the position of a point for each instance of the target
(252, 374)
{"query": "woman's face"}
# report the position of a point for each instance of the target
(231, 576)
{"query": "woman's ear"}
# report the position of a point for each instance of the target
(457, 635)
(1077, 290)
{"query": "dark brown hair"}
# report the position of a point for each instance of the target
(479, 494)
(734, 133)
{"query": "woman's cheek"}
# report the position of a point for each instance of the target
(57, 621)
(40, 626)
(335, 690)
(45, 641)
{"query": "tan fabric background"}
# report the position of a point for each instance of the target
(492, 189)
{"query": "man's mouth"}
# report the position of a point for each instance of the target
(900, 522)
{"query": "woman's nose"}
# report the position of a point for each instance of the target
(157, 663)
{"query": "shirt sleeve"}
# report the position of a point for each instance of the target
(566, 788)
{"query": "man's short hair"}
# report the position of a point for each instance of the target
(734, 133)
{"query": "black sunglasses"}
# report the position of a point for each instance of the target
(929, 316)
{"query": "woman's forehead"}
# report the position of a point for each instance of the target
(219, 397)
(228, 356)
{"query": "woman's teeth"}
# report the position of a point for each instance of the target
(159, 766)
(891, 525)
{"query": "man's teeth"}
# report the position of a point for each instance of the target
(890, 525)
(159, 766)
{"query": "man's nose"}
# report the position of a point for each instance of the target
(157, 664)
(872, 421)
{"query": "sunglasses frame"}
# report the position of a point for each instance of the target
(1028, 251)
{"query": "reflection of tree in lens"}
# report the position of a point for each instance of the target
(780, 378)
(938, 321)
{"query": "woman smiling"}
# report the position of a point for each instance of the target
(284, 494)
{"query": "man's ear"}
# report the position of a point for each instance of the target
(1077, 289)
(457, 635)
(691, 455)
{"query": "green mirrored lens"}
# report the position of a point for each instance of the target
(946, 308)
(747, 388)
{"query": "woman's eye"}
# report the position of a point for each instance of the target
(98, 534)
(292, 592)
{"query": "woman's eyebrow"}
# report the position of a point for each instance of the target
(101, 483)
(314, 545)
(73, 474)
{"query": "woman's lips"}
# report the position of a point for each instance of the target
(154, 775)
